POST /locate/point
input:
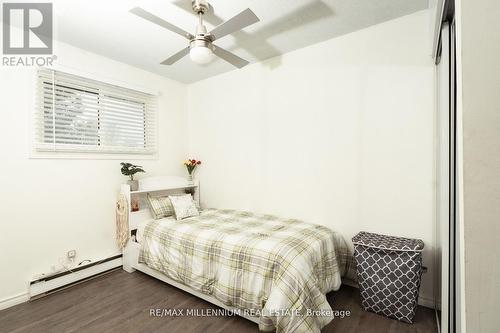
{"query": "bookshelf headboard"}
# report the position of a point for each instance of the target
(164, 185)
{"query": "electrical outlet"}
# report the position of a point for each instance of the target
(71, 254)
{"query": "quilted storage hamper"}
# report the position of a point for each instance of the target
(389, 272)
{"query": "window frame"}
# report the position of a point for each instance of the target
(40, 149)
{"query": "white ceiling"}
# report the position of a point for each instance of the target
(108, 29)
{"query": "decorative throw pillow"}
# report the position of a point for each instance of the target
(184, 206)
(160, 207)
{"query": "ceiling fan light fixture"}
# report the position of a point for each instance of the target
(201, 51)
(201, 55)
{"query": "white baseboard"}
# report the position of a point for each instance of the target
(13, 300)
(428, 303)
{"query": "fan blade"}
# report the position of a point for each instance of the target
(156, 20)
(176, 57)
(231, 58)
(238, 22)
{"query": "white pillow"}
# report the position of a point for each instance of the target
(184, 206)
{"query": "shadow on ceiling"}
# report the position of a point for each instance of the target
(257, 43)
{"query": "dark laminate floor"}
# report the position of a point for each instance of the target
(120, 302)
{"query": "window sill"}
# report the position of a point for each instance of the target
(90, 156)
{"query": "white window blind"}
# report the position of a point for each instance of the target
(75, 114)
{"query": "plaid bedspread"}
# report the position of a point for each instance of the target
(278, 267)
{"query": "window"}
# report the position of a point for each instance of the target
(76, 114)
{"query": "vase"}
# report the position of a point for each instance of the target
(190, 179)
(134, 185)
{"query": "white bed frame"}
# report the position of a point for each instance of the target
(161, 185)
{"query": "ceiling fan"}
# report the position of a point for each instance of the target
(201, 48)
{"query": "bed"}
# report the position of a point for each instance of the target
(271, 270)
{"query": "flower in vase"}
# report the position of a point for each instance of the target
(191, 165)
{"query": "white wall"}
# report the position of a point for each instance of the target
(51, 206)
(340, 133)
(478, 51)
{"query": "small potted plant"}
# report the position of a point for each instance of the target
(191, 165)
(128, 169)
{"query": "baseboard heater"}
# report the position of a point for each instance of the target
(53, 283)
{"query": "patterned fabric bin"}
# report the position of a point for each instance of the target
(389, 271)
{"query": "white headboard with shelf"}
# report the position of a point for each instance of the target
(164, 185)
